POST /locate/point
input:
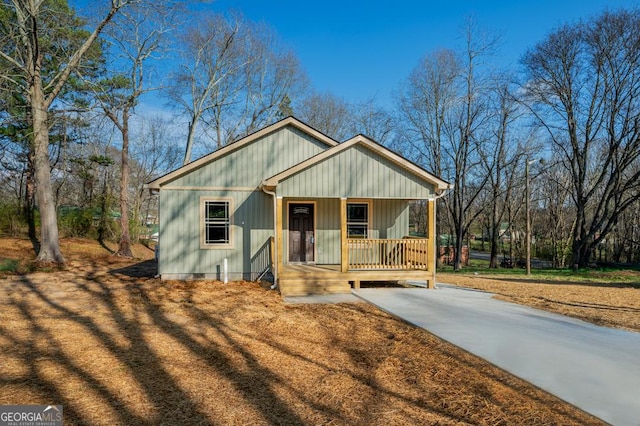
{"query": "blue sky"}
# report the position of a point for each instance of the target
(363, 49)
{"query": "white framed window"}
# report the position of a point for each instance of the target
(215, 221)
(358, 220)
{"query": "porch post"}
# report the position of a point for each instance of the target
(431, 249)
(344, 247)
(279, 244)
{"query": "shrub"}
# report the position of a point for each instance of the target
(12, 220)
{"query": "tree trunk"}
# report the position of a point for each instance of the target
(124, 246)
(457, 264)
(579, 254)
(577, 249)
(580, 247)
(495, 243)
(190, 136)
(494, 231)
(29, 204)
(105, 203)
(49, 236)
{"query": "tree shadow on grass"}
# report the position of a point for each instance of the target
(143, 367)
(364, 367)
(598, 306)
(128, 320)
(534, 280)
(135, 358)
(144, 269)
(255, 383)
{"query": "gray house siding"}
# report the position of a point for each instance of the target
(182, 257)
(246, 167)
(355, 172)
(390, 218)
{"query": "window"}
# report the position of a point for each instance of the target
(216, 222)
(357, 220)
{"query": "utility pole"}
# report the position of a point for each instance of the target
(528, 208)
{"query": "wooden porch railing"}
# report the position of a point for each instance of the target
(405, 253)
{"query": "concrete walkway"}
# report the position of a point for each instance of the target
(594, 368)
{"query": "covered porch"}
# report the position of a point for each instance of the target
(361, 259)
(342, 217)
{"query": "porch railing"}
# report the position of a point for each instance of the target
(371, 253)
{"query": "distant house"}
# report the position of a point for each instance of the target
(292, 203)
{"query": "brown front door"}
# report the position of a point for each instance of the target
(301, 229)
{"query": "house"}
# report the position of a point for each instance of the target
(318, 215)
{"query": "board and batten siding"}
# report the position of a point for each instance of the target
(389, 219)
(356, 173)
(251, 227)
(249, 165)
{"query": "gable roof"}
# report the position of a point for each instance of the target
(367, 143)
(289, 121)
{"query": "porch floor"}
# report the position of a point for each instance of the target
(306, 279)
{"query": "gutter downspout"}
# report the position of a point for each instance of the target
(275, 231)
(155, 192)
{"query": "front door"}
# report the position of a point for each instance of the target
(301, 230)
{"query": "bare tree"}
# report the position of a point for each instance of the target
(27, 62)
(424, 105)
(624, 240)
(136, 36)
(327, 113)
(271, 80)
(154, 151)
(339, 119)
(501, 156)
(234, 77)
(209, 62)
(373, 121)
(445, 111)
(584, 89)
(556, 217)
(466, 134)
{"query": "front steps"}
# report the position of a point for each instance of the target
(312, 286)
(306, 280)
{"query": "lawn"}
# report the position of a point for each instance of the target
(116, 346)
(608, 297)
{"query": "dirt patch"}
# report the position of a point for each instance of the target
(602, 303)
(116, 346)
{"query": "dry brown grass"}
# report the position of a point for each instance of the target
(115, 346)
(603, 303)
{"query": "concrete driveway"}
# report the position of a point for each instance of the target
(594, 368)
